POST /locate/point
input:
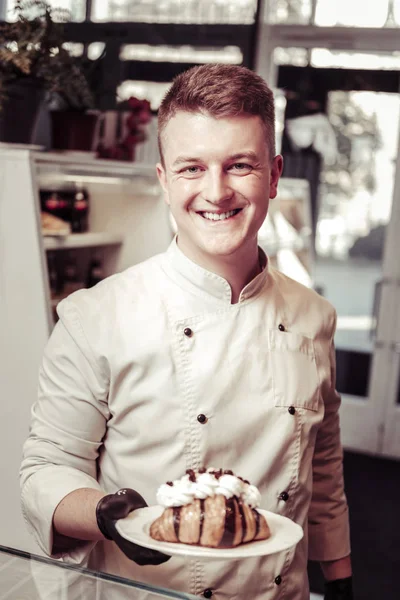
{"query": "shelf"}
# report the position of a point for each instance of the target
(81, 240)
(87, 167)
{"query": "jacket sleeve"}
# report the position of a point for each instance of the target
(328, 522)
(67, 427)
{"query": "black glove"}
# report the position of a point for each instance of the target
(339, 589)
(117, 506)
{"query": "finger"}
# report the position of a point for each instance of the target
(155, 558)
(132, 497)
(142, 556)
(119, 505)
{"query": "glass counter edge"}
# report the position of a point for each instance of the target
(164, 592)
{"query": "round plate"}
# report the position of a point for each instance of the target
(136, 526)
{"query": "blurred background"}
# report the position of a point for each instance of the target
(76, 208)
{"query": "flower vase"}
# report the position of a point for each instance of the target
(19, 115)
(131, 152)
(73, 130)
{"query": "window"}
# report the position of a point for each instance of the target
(175, 11)
(290, 11)
(77, 8)
(157, 11)
(338, 59)
(181, 54)
(357, 13)
(329, 13)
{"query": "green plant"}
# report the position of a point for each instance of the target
(34, 47)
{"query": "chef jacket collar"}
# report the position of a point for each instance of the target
(191, 276)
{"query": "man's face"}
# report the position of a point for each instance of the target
(217, 179)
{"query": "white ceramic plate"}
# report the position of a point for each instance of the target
(136, 526)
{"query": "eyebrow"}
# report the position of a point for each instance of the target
(185, 159)
(250, 155)
(240, 155)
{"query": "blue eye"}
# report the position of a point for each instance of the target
(191, 170)
(241, 167)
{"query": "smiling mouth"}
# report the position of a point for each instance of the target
(212, 216)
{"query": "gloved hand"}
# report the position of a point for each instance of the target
(339, 589)
(117, 506)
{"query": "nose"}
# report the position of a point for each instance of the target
(216, 187)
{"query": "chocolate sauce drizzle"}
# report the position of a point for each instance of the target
(230, 520)
(257, 518)
(243, 520)
(201, 518)
(177, 519)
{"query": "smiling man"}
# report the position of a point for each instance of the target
(202, 356)
(218, 174)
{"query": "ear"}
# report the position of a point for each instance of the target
(162, 178)
(276, 172)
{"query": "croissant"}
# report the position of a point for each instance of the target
(215, 522)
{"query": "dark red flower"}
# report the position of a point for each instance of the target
(134, 103)
(144, 116)
(132, 122)
(130, 140)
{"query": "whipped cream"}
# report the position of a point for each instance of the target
(204, 484)
(178, 494)
(251, 495)
(229, 486)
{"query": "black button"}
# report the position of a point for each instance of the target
(292, 410)
(202, 419)
(281, 327)
(187, 331)
(284, 496)
(207, 593)
(278, 580)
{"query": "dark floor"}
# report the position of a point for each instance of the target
(373, 493)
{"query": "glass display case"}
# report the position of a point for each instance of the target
(25, 576)
(125, 221)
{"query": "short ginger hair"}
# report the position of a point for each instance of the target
(220, 91)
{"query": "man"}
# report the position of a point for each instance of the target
(202, 356)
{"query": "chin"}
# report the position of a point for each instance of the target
(221, 250)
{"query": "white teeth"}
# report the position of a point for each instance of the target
(218, 217)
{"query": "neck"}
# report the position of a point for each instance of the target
(237, 269)
(239, 279)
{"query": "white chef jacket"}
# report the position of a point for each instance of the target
(128, 369)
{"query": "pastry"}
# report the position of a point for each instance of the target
(52, 225)
(209, 507)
